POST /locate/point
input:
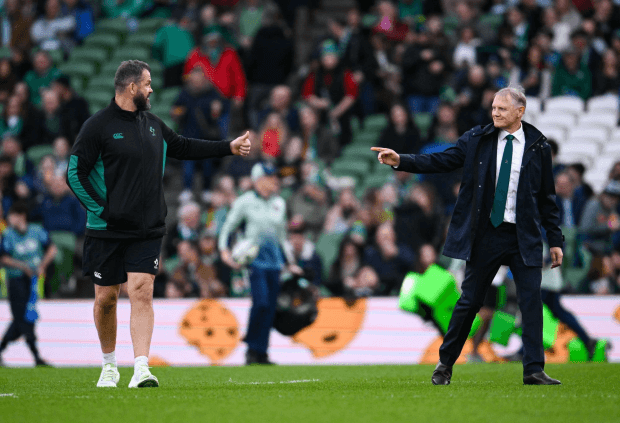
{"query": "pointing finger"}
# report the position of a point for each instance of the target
(378, 148)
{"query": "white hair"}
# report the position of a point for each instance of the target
(516, 94)
(187, 208)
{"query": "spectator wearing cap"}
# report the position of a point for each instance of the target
(53, 30)
(304, 252)
(220, 64)
(332, 91)
(83, 15)
(173, 43)
(264, 214)
(41, 77)
(600, 220)
(73, 108)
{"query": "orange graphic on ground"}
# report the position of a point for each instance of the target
(212, 328)
(334, 328)
(617, 314)
(156, 361)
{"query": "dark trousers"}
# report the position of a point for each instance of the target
(265, 286)
(552, 300)
(19, 293)
(496, 247)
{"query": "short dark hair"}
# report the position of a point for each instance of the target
(129, 71)
(19, 207)
(579, 167)
(64, 80)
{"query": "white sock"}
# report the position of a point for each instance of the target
(139, 361)
(109, 358)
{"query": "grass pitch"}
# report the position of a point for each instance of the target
(479, 393)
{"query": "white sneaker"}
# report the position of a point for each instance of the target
(109, 377)
(143, 378)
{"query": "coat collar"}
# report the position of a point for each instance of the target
(123, 114)
(531, 133)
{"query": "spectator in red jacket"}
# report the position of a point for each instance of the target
(332, 90)
(221, 65)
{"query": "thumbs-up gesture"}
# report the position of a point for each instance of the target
(241, 146)
(387, 156)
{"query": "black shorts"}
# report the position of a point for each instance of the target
(490, 300)
(108, 261)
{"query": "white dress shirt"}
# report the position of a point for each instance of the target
(518, 147)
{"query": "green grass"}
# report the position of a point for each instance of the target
(479, 393)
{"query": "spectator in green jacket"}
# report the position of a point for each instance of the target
(172, 45)
(41, 76)
(571, 77)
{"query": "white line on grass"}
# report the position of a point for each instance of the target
(7, 395)
(273, 383)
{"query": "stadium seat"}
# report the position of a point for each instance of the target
(108, 41)
(131, 53)
(598, 134)
(150, 25)
(366, 138)
(327, 247)
(93, 54)
(57, 57)
(375, 123)
(359, 152)
(168, 95)
(533, 105)
(610, 151)
(118, 26)
(600, 117)
(568, 158)
(37, 152)
(141, 40)
(556, 133)
(99, 96)
(357, 168)
(585, 147)
(565, 120)
(101, 82)
(82, 70)
(570, 104)
(603, 103)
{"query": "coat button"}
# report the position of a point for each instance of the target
(480, 162)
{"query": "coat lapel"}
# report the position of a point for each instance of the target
(532, 135)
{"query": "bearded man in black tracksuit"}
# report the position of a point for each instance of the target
(116, 170)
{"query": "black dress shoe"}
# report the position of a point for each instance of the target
(254, 357)
(442, 374)
(540, 378)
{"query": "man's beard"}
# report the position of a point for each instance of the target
(141, 102)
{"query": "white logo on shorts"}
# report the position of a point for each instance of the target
(156, 263)
(98, 275)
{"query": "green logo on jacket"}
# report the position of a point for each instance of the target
(118, 136)
(152, 131)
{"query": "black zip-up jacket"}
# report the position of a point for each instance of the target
(116, 170)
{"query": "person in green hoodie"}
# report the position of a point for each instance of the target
(173, 43)
(571, 77)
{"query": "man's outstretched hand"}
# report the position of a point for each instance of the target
(387, 156)
(241, 146)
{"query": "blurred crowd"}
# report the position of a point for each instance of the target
(301, 78)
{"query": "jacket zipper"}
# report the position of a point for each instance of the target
(143, 175)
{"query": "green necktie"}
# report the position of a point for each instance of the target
(501, 189)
